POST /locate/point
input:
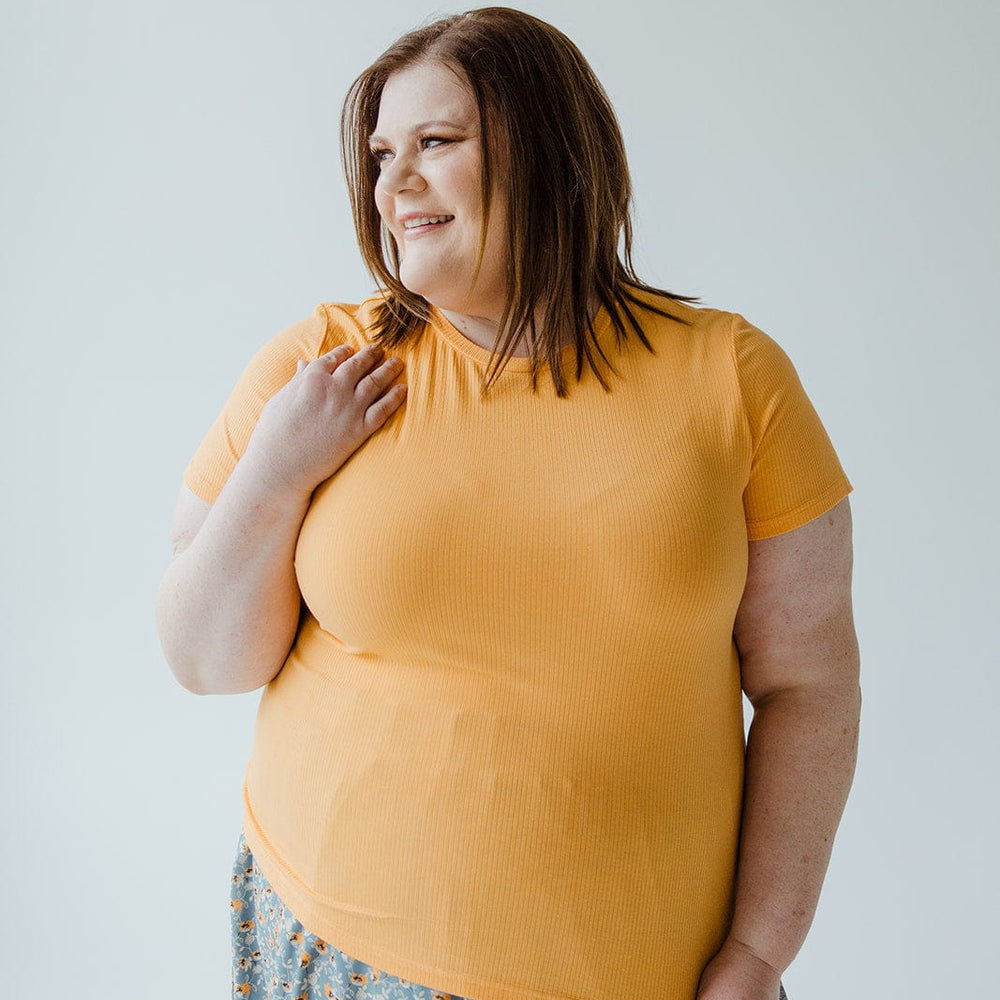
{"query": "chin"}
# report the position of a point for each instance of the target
(433, 291)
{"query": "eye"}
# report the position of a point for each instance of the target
(433, 141)
(380, 153)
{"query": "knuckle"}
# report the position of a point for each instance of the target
(352, 366)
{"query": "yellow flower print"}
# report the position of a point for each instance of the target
(244, 989)
(237, 905)
(442, 996)
(321, 946)
(295, 937)
(359, 979)
(245, 925)
(305, 960)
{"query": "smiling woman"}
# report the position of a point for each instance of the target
(529, 108)
(505, 628)
(429, 196)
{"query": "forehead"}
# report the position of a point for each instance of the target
(427, 91)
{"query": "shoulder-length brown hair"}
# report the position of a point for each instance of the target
(567, 178)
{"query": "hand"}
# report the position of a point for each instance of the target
(329, 408)
(737, 973)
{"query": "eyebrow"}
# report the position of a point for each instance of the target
(422, 127)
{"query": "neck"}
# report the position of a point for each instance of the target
(482, 330)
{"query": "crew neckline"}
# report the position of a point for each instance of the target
(482, 356)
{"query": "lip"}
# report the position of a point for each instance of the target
(419, 230)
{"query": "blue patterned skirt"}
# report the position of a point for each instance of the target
(276, 958)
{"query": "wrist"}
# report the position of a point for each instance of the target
(737, 971)
(265, 485)
(753, 955)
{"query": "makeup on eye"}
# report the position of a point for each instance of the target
(381, 152)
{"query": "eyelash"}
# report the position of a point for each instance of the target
(380, 153)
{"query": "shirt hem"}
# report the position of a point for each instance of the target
(298, 898)
(801, 515)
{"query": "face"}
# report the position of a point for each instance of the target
(429, 150)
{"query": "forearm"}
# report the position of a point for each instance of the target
(229, 604)
(800, 761)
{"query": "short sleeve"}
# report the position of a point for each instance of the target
(795, 474)
(270, 368)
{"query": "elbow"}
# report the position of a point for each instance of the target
(191, 674)
(203, 686)
(204, 677)
(191, 684)
(201, 668)
(175, 650)
(211, 652)
(191, 679)
(851, 683)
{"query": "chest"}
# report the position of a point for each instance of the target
(527, 505)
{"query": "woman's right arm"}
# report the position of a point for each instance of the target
(228, 606)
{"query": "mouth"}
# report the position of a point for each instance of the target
(425, 222)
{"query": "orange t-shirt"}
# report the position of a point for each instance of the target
(504, 757)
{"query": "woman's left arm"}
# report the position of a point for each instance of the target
(799, 665)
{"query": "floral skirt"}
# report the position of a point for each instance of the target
(276, 958)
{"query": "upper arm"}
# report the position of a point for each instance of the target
(795, 624)
(189, 515)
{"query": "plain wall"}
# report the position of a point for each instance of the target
(170, 197)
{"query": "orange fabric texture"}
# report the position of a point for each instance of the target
(504, 756)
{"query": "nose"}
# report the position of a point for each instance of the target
(400, 174)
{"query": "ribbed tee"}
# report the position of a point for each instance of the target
(504, 757)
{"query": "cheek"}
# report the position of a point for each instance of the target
(383, 200)
(382, 205)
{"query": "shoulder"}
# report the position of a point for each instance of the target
(330, 325)
(731, 329)
(703, 342)
(347, 323)
(666, 318)
(757, 361)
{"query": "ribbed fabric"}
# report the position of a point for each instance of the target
(504, 757)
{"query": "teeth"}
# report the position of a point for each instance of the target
(426, 220)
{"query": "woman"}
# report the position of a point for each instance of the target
(505, 626)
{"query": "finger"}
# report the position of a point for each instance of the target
(300, 365)
(384, 407)
(375, 383)
(360, 364)
(332, 360)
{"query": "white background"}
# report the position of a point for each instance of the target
(170, 197)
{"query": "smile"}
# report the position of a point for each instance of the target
(426, 220)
